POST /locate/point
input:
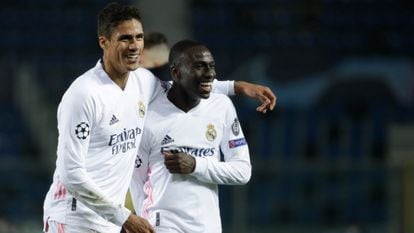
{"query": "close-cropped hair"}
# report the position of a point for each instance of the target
(112, 15)
(179, 48)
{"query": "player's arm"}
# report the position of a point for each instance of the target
(264, 94)
(235, 170)
(236, 167)
(77, 111)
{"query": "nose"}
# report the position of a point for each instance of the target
(211, 73)
(134, 45)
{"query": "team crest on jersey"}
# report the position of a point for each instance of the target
(141, 109)
(211, 133)
(235, 127)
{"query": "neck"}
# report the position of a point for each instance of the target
(118, 78)
(181, 99)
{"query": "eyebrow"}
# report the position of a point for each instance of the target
(129, 36)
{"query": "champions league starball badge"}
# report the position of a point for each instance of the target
(235, 127)
(211, 133)
(141, 109)
(82, 130)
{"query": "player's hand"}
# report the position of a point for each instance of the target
(180, 163)
(266, 97)
(136, 224)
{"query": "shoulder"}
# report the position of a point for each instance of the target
(145, 79)
(222, 106)
(160, 107)
(145, 74)
(220, 99)
(83, 87)
(84, 84)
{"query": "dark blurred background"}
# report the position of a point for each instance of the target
(336, 156)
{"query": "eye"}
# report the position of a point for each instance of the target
(200, 65)
(140, 37)
(124, 38)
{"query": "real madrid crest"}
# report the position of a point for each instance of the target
(211, 133)
(235, 127)
(141, 109)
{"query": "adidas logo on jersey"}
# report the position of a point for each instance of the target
(113, 120)
(167, 139)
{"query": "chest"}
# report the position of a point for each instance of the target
(197, 134)
(120, 120)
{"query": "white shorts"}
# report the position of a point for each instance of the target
(55, 227)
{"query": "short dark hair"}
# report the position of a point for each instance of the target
(113, 14)
(180, 47)
(154, 38)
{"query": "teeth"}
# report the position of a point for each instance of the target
(206, 84)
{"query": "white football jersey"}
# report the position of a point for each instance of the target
(100, 128)
(189, 203)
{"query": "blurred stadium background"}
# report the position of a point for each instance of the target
(336, 156)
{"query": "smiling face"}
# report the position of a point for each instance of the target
(123, 49)
(195, 72)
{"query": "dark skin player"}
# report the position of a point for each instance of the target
(193, 72)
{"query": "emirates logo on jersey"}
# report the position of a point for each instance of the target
(124, 141)
(198, 152)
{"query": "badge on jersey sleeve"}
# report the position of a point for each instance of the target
(211, 133)
(237, 142)
(82, 130)
(235, 127)
(141, 109)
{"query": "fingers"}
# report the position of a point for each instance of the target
(171, 162)
(150, 229)
(271, 96)
(147, 225)
(179, 163)
(173, 166)
(267, 99)
(262, 108)
(265, 104)
(137, 224)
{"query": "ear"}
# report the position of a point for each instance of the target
(175, 73)
(102, 42)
